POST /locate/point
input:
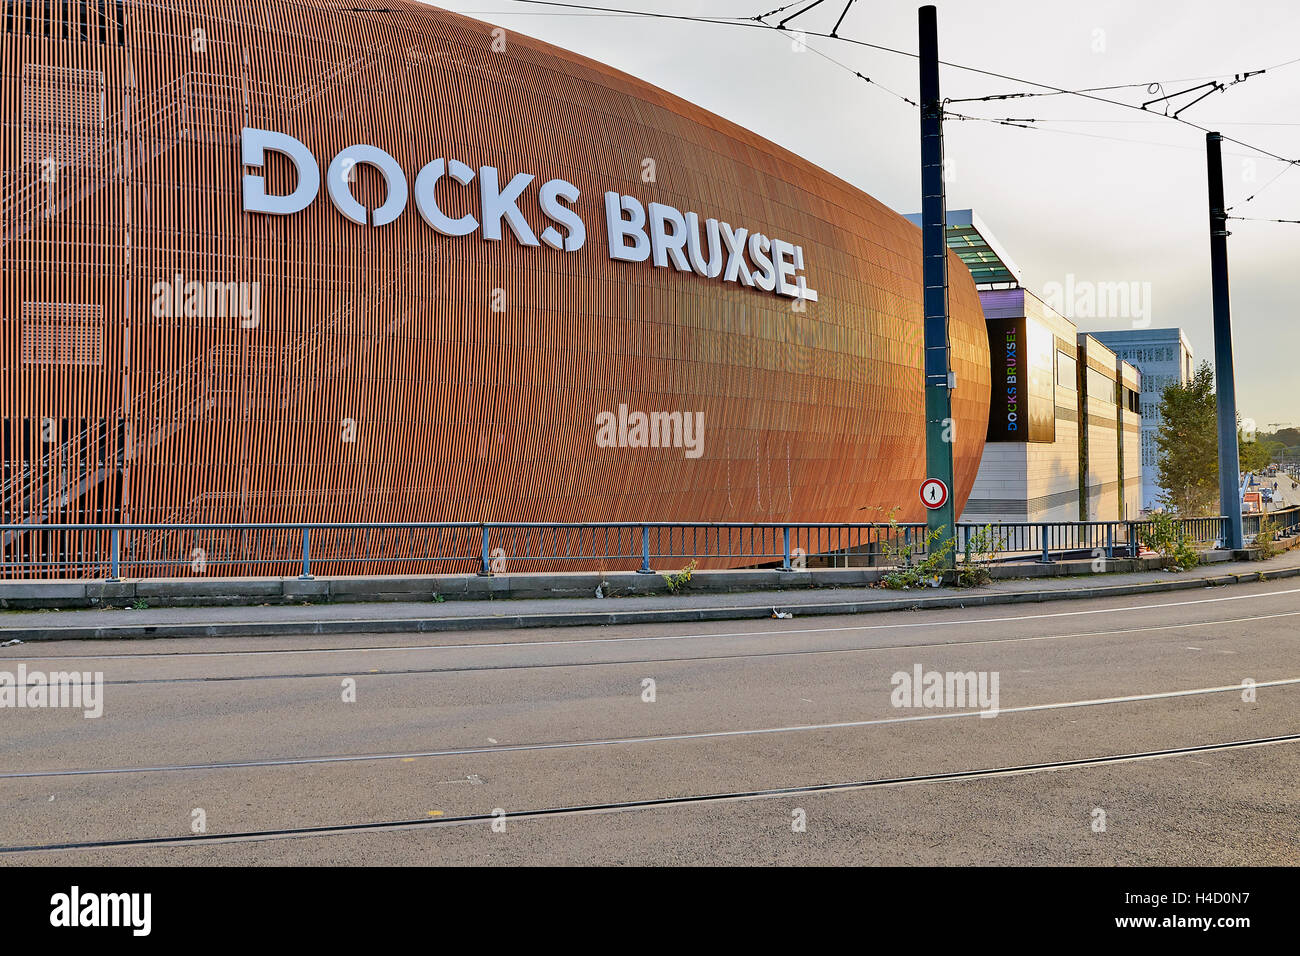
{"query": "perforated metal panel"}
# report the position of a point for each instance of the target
(62, 333)
(63, 114)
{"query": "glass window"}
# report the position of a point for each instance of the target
(1065, 371)
(1100, 387)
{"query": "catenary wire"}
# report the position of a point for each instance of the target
(1050, 89)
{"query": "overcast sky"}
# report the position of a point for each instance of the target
(1068, 198)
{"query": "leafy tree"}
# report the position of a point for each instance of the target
(1254, 455)
(1188, 445)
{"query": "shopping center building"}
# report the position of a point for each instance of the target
(307, 261)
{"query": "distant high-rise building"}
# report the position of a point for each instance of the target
(1163, 356)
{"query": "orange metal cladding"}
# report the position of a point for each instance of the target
(461, 412)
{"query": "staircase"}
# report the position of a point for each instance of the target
(29, 492)
(29, 198)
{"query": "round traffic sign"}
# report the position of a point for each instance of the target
(934, 493)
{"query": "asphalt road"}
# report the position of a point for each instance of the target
(1127, 711)
(1285, 496)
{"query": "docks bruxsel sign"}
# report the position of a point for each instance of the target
(1024, 385)
(635, 232)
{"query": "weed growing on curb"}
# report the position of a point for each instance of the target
(679, 580)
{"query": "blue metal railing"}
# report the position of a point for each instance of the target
(151, 550)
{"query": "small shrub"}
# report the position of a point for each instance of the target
(905, 573)
(981, 548)
(1266, 539)
(1165, 536)
(901, 580)
(679, 580)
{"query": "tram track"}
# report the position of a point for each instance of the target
(652, 802)
(643, 739)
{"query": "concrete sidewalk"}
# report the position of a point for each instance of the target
(472, 614)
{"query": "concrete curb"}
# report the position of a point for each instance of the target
(234, 592)
(642, 616)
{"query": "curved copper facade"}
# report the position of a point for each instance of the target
(122, 169)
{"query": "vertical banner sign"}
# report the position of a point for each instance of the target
(1009, 419)
(1023, 403)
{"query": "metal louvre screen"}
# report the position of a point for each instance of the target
(306, 368)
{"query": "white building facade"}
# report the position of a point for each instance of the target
(1030, 473)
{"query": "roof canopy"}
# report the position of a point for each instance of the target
(970, 238)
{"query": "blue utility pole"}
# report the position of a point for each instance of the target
(1225, 387)
(939, 427)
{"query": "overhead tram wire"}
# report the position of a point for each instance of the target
(1089, 89)
(1282, 172)
(1101, 99)
(1023, 123)
(899, 96)
(1146, 122)
(1165, 114)
(772, 13)
(1294, 222)
(861, 76)
(1088, 94)
(1237, 78)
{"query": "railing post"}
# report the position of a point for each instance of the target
(306, 555)
(1134, 544)
(645, 551)
(485, 571)
(114, 550)
(785, 562)
(1042, 539)
(1110, 539)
